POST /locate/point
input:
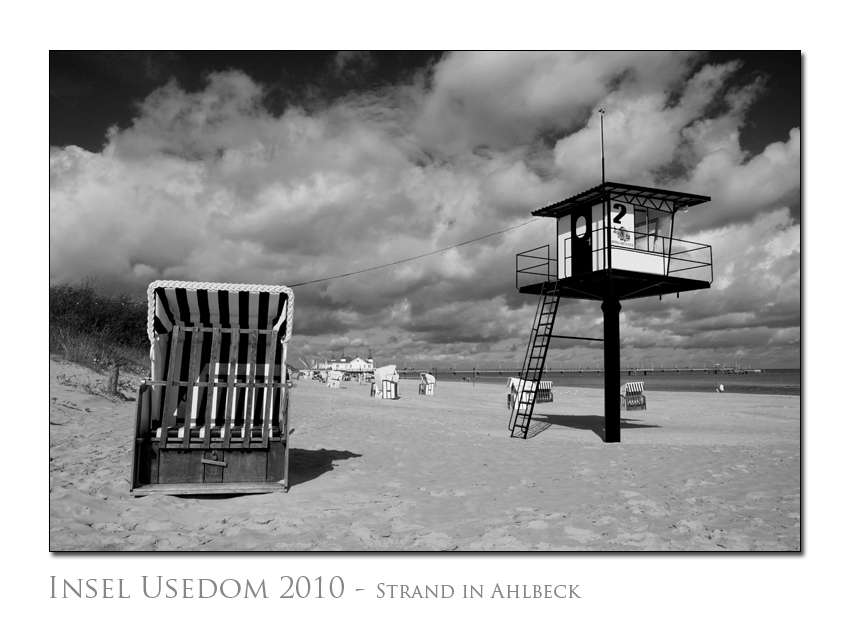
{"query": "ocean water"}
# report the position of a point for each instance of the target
(769, 382)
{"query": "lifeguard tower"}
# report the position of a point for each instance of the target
(613, 242)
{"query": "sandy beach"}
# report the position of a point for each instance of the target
(695, 472)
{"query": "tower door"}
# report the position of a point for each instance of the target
(582, 259)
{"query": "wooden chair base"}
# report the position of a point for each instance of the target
(209, 469)
(241, 488)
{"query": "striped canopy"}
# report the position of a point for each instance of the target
(211, 305)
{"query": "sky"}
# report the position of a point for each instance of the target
(283, 168)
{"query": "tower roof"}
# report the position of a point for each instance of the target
(660, 199)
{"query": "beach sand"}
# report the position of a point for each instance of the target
(695, 472)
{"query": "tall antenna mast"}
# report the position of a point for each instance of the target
(602, 131)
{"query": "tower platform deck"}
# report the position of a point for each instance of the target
(618, 283)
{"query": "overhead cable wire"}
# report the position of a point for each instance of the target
(407, 260)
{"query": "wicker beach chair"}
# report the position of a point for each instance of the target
(214, 416)
(526, 386)
(632, 397)
(335, 379)
(427, 383)
(544, 392)
(385, 385)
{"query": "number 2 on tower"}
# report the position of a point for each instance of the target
(621, 214)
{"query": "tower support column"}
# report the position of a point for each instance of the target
(611, 333)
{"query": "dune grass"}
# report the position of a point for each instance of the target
(98, 330)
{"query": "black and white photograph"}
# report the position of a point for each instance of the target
(425, 301)
(489, 332)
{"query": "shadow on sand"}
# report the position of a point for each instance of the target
(308, 464)
(304, 465)
(595, 423)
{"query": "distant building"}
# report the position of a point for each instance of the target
(360, 365)
(349, 365)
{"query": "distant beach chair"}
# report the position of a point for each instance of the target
(515, 385)
(385, 385)
(335, 379)
(632, 397)
(544, 392)
(427, 384)
(214, 416)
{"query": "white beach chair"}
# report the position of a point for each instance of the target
(427, 384)
(385, 385)
(517, 386)
(632, 397)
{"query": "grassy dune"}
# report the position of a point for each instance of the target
(98, 330)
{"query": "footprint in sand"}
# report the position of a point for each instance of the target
(156, 526)
(501, 543)
(399, 527)
(686, 526)
(580, 535)
(646, 507)
(435, 541)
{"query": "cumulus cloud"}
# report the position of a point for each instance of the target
(210, 185)
(503, 99)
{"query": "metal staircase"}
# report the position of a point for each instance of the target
(532, 368)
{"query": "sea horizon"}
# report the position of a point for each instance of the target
(773, 381)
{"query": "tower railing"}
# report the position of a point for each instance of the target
(687, 259)
(535, 264)
(690, 256)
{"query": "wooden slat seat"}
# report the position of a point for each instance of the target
(217, 432)
(227, 392)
